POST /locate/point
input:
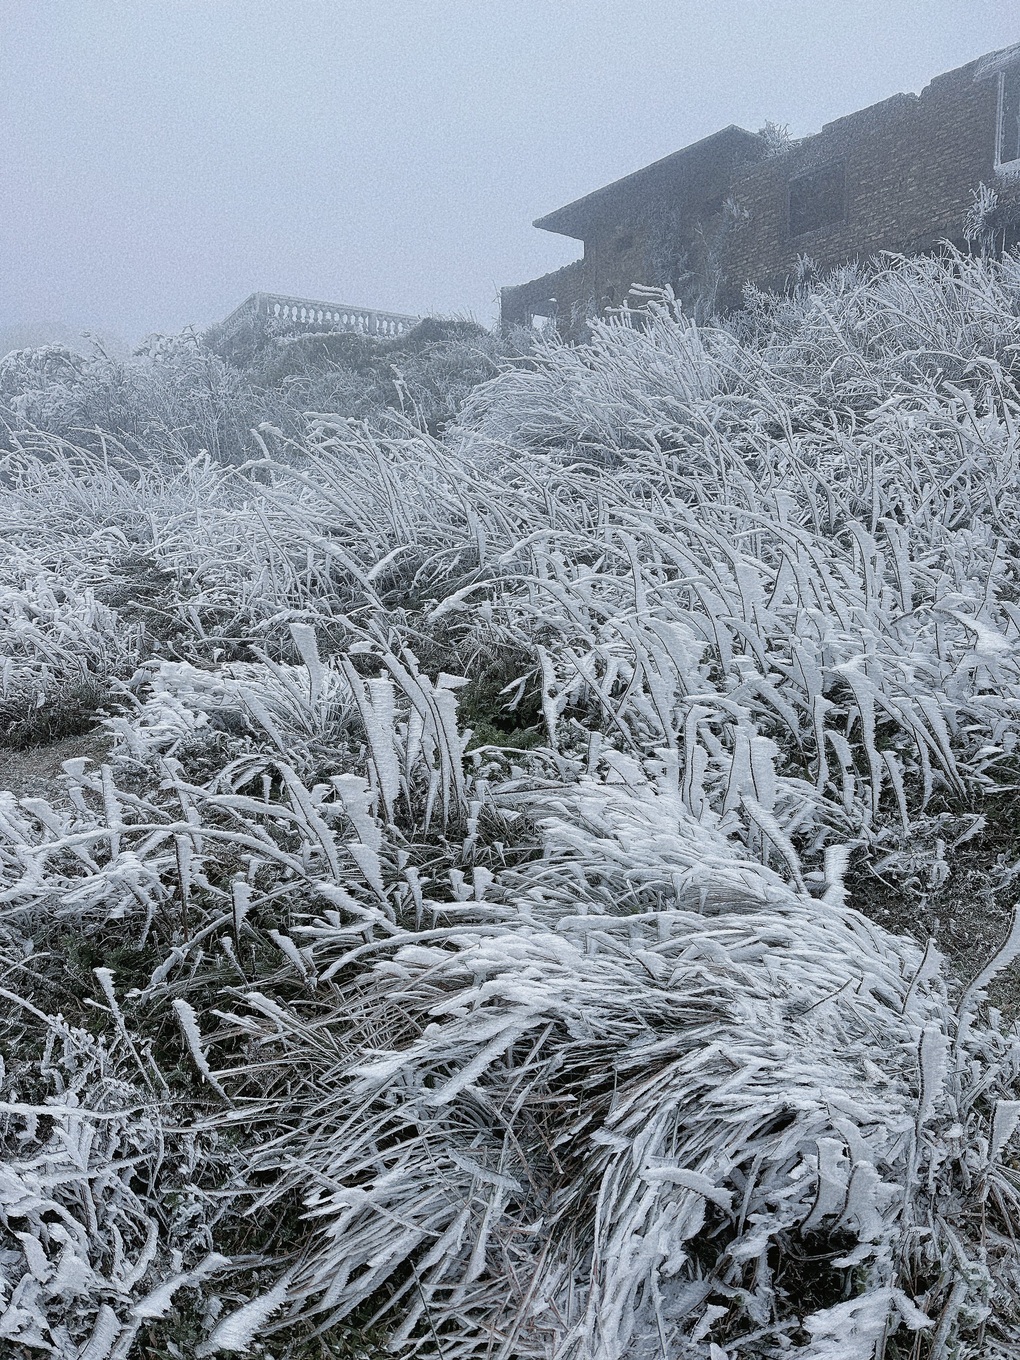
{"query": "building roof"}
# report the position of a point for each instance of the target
(994, 62)
(690, 163)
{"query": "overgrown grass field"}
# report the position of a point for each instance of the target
(531, 877)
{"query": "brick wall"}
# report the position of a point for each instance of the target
(898, 176)
(560, 295)
(645, 229)
(658, 226)
(909, 165)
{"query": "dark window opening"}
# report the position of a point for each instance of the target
(1007, 142)
(624, 242)
(817, 199)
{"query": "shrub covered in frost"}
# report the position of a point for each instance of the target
(563, 1037)
(182, 396)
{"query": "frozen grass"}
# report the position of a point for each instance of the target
(563, 1039)
(178, 397)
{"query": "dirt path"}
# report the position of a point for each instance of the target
(36, 772)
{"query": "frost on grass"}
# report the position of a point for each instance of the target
(325, 1012)
(744, 1121)
(104, 1218)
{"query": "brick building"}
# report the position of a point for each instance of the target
(741, 207)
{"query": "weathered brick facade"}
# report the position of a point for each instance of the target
(898, 176)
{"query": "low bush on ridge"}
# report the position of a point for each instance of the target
(568, 1040)
(182, 396)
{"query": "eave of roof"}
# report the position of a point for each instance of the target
(995, 62)
(574, 218)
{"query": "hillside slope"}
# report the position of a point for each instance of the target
(490, 913)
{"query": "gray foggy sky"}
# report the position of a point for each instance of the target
(161, 159)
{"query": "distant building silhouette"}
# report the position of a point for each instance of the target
(740, 207)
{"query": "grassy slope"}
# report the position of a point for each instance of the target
(460, 936)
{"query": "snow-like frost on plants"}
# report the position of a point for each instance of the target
(458, 936)
(629, 1134)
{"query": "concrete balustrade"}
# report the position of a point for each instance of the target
(333, 316)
